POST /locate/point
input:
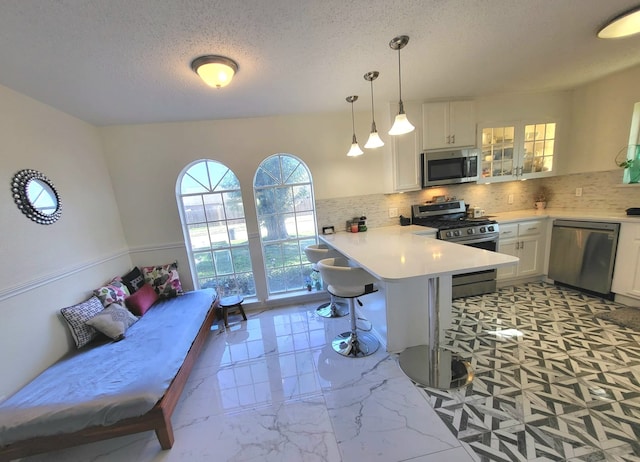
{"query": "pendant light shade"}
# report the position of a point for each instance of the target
(401, 125)
(355, 148)
(624, 25)
(374, 140)
(216, 71)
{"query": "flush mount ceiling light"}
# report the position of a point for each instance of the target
(401, 125)
(374, 140)
(355, 149)
(624, 25)
(216, 71)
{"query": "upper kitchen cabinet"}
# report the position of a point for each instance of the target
(516, 151)
(405, 152)
(448, 125)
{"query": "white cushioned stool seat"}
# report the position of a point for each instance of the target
(348, 281)
(315, 253)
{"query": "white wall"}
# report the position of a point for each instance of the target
(601, 113)
(35, 279)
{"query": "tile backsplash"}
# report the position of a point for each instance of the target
(600, 191)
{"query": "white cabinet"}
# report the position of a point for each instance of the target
(449, 124)
(626, 274)
(405, 152)
(525, 240)
(516, 150)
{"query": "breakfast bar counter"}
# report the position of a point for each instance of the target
(412, 307)
(406, 260)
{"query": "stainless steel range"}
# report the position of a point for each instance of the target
(450, 219)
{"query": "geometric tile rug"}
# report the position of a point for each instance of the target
(552, 380)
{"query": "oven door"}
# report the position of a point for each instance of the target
(477, 282)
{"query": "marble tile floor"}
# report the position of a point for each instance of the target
(551, 383)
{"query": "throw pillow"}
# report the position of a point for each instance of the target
(140, 302)
(134, 279)
(114, 291)
(113, 321)
(164, 279)
(77, 315)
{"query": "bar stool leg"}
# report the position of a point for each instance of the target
(333, 309)
(351, 343)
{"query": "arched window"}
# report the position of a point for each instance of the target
(212, 213)
(287, 221)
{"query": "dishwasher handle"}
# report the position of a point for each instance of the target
(602, 226)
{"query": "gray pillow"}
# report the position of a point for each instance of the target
(76, 316)
(113, 321)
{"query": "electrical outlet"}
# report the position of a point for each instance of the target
(578, 192)
(393, 212)
(510, 199)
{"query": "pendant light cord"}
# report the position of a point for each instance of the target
(373, 112)
(353, 123)
(399, 78)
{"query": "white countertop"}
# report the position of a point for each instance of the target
(591, 215)
(400, 252)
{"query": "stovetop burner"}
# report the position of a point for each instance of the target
(449, 218)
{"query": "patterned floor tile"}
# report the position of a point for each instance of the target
(552, 381)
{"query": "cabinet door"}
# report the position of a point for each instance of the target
(626, 274)
(498, 156)
(406, 153)
(508, 247)
(462, 119)
(435, 118)
(530, 257)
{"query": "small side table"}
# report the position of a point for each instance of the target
(234, 302)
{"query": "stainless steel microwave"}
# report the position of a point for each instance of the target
(449, 167)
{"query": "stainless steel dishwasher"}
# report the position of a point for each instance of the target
(583, 254)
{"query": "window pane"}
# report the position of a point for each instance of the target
(293, 278)
(273, 255)
(551, 131)
(193, 209)
(216, 172)
(291, 253)
(233, 206)
(218, 234)
(284, 199)
(302, 198)
(241, 259)
(306, 224)
(269, 173)
(213, 207)
(199, 236)
(222, 259)
(204, 265)
(196, 180)
(237, 232)
(276, 280)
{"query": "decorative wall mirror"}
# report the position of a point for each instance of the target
(36, 197)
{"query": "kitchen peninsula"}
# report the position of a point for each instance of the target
(407, 260)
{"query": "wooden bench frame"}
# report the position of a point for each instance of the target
(157, 419)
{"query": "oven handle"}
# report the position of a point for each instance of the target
(474, 240)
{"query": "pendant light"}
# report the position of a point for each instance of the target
(374, 140)
(355, 149)
(401, 125)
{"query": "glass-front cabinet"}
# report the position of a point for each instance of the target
(516, 151)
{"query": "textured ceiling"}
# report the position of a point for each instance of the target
(128, 61)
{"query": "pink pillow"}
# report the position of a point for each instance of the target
(140, 302)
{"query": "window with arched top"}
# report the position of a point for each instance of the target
(214, 227)
(285, 208)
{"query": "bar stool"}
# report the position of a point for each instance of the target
(314, 254)
(349, 282)
(232, 301)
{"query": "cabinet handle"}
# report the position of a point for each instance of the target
(507, 232)
(453, 139)
(532, 229)
(448, 139)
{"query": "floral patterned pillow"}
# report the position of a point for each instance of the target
(114, 291)
(164, 279)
